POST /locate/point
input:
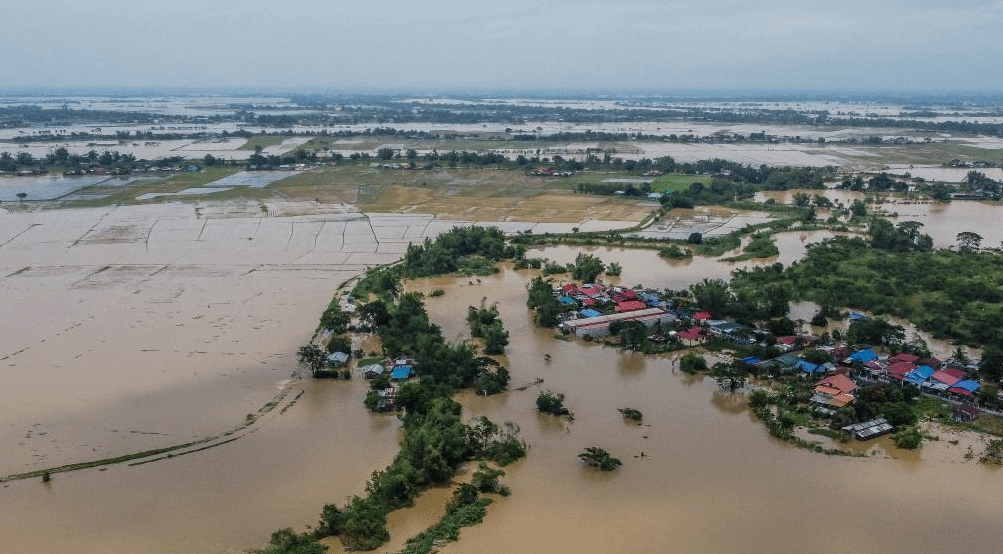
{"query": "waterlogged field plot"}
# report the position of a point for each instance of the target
(250, 179)
(462, 194)
(679, 224)
(134, 311)
(48, 187)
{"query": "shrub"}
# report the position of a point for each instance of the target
(551, 403)
(593, 456)
(631, 414)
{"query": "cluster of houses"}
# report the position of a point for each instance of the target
(838, 379)
(644, 306)
(400, 370)
(583, 319)
(837, 387)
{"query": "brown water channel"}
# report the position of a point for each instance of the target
(710, 480)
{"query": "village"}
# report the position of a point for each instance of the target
(835, 371)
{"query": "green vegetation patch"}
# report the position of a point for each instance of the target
(952, 295)
(678, 182)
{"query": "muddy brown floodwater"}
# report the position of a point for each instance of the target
(710, 478)
(134, 328)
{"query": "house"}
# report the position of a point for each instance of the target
(898, 370)
(694, 333)
(965, 413)
(401, 373)
(650, 297)
(807, 367)
(630, 306)
(594, 291)
(372, 371)
(942, 380)
(589, 312)
(596, 326)
(734, 332)
(965, 387)
(337, 358)
(920, 375)
(833, 392)
(388, 399)
(700, 316)
(869, 429)
(786, 343)
(783, 362)
(955, 372)
(862, 356)
(903, 357)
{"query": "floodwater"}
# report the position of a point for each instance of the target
(710, 478)
(141, 327)
(943, 221)
(836, 196)
(947, 174)
(133, 328)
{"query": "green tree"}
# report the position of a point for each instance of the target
(692, 363)
(495, 338)
(285, 541)
(551, 403)
(968, 241)
(21, 196)
(909, 437)
(858, 208)
(631, 414)
(712, 295)
(312, 357)
(587, 267)
(541, 298)
(593, 456)
(991, 364)
(729, 376)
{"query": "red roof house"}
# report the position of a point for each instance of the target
(899, 369)
(700, 316)
(903, 357)
(834, 391)
(955, 372)
(630, 306)
(693, 333)
(945, 377)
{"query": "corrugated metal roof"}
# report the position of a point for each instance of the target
(401, 372)
(863, 355)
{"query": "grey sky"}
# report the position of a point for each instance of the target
(546, 44)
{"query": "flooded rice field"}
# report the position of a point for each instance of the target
(140, 327)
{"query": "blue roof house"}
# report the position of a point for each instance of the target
(919, 375)
(401, 372)
(808, 367)
(863, 356)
